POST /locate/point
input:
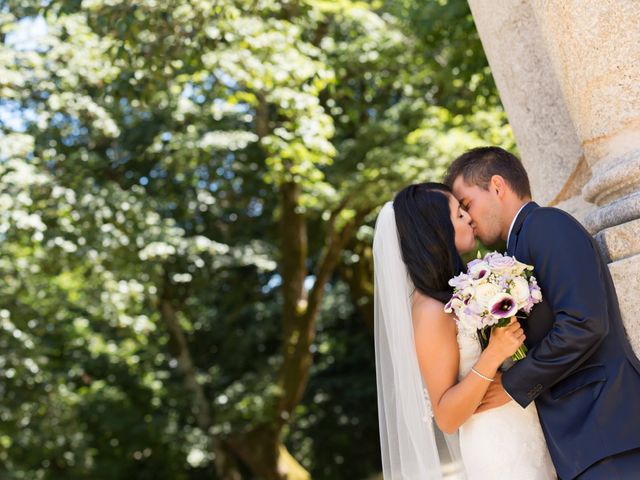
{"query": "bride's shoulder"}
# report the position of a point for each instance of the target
(429, 312)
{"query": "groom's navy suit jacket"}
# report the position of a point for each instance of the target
(580, 369)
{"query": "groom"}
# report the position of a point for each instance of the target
(580, 370)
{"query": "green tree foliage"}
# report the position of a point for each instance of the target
(187, 193)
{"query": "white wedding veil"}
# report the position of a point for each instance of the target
(407, 435)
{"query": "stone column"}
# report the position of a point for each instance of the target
(534, 102)
(594, 46)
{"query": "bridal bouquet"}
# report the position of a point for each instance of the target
(493, 290)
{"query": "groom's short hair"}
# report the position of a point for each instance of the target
(478, 165)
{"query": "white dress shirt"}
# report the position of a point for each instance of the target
(514, 221)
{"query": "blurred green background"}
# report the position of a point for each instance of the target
(188, 190)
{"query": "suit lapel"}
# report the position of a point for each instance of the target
(517, 226)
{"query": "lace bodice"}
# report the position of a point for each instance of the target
(470, 351)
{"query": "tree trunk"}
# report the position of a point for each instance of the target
(225, 464)
(297, 356)
(296, 338)
(261, 447)
(267, 457)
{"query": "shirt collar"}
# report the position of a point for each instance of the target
(514, 221)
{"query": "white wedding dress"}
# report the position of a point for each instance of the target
(503, 443)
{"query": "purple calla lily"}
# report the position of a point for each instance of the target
(503, 305)
(481, 274)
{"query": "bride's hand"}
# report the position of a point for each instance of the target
(505, 341)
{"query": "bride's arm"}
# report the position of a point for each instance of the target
(454, 402)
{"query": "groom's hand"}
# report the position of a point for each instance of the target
(495, 397)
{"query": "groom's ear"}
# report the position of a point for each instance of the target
(498, 186)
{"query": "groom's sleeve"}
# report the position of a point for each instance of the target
(567, 266)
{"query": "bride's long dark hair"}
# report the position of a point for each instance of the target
(427, 238)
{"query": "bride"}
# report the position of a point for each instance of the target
(417, 245)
